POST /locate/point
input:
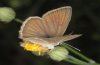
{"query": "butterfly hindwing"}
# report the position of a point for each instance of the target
(56, 40)
(51, 42)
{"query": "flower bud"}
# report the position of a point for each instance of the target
(58, 53)
(6, 14)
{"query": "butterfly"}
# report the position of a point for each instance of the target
(49, 29)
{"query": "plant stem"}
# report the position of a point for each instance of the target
(77, 53)
(76, 61)
(18, 20)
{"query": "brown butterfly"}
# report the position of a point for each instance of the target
(48, 30)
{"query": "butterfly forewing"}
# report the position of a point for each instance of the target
(32, 27)
(52, 23)
(57, 20)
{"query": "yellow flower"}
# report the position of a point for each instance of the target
(34, 47)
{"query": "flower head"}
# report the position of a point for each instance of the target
(6, 14)
(58, 53)
(34, 47)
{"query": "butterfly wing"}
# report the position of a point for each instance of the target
(42, 41)
(56, 40)
(54, 23)
(57, 20)
(32, 27)
(51, 42)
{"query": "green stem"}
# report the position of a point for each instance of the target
(76, 61)
(77, 53)
(73, 62)
(18, 20)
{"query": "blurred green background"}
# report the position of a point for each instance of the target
(85, 20)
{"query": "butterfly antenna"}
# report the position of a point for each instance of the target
(73, 47)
